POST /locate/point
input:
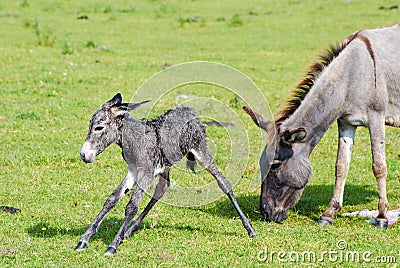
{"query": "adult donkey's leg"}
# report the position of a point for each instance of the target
(393, 121)
(110, 203)
(377, 136)
(207, 160)
(161, 187)
(143, 182)
(345, 146)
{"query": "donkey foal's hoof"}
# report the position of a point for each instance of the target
(324, 221)
(252, 234)
(110, 251)
(381, 223)
(81, 245)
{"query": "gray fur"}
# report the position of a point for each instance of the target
(356, 85)
(149, 148)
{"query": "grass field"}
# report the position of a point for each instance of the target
(58, 66)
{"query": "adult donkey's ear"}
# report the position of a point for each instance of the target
(258, 119)
(294, 135)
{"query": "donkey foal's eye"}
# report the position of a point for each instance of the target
(99, 128)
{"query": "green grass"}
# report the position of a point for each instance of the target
(57, 69)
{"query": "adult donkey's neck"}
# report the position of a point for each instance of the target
(329, 95)
(319, 109)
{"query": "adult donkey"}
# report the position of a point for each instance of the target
(356, 83)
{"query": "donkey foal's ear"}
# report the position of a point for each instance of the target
(115, 101)
(117, 97)
(119, 111)
(133, 106)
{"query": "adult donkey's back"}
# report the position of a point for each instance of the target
(356, 83)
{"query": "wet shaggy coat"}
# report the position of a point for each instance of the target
(149, 148)
(163, 143)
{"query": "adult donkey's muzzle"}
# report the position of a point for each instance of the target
(277, 215)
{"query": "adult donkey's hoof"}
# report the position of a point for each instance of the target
(324, 222)
(81, 245)
(381, 223)
(110, 251)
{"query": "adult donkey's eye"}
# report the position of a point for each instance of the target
(98, 128)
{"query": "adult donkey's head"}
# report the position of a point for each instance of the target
(104, 127)
(285, 172)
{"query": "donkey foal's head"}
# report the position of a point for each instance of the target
(104, 127)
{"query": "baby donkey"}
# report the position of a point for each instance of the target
(149, 148)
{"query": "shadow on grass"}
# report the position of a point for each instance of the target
(109, 227)
(313, 202)
(316, 198)
(107, 230)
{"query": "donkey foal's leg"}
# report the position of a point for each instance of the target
(110, 203)
(345, 146)
(130, 211)
(206, 159)
(161, 187)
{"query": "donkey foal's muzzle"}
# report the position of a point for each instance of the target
(87, 153)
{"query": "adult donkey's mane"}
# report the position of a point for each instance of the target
(302, 89)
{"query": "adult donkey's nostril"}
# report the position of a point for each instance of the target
(278, 216)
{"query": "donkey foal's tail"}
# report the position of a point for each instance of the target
(191, 161)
